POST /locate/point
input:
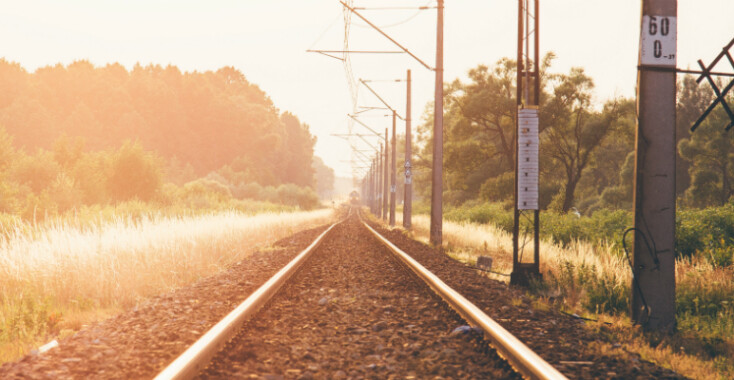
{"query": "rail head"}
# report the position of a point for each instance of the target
(520, 356)
(197, 356)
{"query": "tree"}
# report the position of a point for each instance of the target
(710, 152)
(134, 174)
(692, 100)
(297, 152)
(576, 131)
(204, 119)
(324, 177)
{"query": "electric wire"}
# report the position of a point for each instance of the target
(411, 17)
(321, 36)
(635, 283)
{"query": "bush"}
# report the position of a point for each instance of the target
(708, 233)
(247, 191)
(134, 173)
(697, 230)
(303, 197)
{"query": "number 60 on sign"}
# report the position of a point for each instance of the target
(658, 42)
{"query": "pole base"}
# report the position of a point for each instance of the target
(525, 274)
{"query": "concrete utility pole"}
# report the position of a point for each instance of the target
(437, 174)
(653, 295)
(408, 191)
(393, 171)
(386, 181)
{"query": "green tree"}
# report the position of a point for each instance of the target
(710, 152)
(324, 177)
(297, 152)
(134, 174)
(692, 100)
(577, 131)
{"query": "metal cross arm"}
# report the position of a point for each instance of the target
(356, 51)
(381, 99)
(366, 126)
(386, 36)
(367, 109)
(361, 160)
(362, 157)
(367, 141)
(720, 94)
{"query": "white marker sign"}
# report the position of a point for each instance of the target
(527, 159)
(659, 41)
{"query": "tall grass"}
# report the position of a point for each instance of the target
(52, 273)
(593, 278)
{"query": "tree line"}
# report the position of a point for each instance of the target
(107, 134)
(587, 148)
(203, 119)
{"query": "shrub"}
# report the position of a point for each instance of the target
(134, 173)
(247, 191)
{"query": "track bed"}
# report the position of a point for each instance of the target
(354, 311)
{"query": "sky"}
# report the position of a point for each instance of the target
(267, 40)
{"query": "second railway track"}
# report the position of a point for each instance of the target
(355, 310)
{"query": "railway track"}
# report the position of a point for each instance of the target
(353, 304)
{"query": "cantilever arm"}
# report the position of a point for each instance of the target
(386, 36)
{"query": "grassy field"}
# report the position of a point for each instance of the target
(593, 280)
(57, 276)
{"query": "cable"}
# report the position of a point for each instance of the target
(324, 32)
(635, 283)
(493, 272)
(576, 316)
(420, 9)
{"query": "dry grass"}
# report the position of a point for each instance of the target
(702, 348)
(466, 241)
(59, 277)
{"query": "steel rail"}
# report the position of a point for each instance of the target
(198, 355)
(520, 356)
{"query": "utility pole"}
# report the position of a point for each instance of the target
(437, 174)
(526, 143)
(393, 171)
(653, 290)
(408, 191)
(386, 181)
(379, 183)
(372, 187)
(375, 185)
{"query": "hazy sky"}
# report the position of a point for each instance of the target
(267, 40)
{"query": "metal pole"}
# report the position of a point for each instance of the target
(653, 295)
(372, 187)
(536, 87)
(437, 174)
(408, 192)
(379, 183)
(528, 99)
(518, 88)
(386, 180)
(393, 171)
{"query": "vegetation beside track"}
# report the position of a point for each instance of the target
(585, 272)
(60, 274)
